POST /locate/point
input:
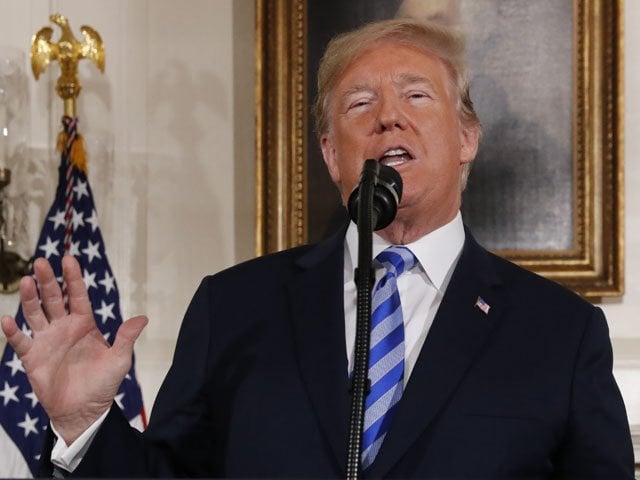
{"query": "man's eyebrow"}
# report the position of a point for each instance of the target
(357, 88)
(404, 79)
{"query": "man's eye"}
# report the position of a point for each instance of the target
(418, 95)
(359, 103)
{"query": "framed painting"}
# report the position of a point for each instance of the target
(546, 189)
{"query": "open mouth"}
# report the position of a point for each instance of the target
(395, 157)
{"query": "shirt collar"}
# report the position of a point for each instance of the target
(437, 251)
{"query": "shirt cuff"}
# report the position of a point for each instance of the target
(68, 457)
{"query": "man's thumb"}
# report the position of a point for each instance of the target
(128, 333)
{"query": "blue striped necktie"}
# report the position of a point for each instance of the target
(386, 351)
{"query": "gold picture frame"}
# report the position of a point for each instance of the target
(593, 267)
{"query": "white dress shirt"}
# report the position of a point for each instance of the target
(421, 291)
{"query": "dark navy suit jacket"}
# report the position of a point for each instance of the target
(258, 385)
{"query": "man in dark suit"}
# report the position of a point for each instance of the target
(502, 374)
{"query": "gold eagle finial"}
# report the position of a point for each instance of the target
(68, 52)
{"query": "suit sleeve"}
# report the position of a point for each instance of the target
(597, 443)
(179, 440)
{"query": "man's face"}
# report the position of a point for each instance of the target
(397, 104)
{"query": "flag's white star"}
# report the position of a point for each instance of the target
(93, 220)
(50, 248)
(92, 251)
(77, 219)
(106, 311)
(15, 365)
(89, 279)
(81, 189)
(29, 425)
(127, 376)
(8, 394)
(106, 336)
(57, 219)
(25, 330)
(74, 249)
(108, 282)
(118, 400)
(34, 400)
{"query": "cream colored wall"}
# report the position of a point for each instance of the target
(177, 100)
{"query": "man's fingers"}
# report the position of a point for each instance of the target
(18, 340)
(127, 334)
(76, 289)
(9, 326)
(31, 308)
(50, 293)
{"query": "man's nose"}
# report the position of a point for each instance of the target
(390, 116)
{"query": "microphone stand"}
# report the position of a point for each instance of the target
(373, 205)
(364, 277)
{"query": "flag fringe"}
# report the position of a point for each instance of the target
(77, 153)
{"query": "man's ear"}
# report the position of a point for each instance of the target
(329, 156)
(469, 139)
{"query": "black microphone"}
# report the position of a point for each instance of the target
(387, 193)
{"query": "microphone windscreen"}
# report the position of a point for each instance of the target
(386, 195)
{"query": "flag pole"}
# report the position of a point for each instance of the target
(68, 52)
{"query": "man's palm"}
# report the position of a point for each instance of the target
(73, 371)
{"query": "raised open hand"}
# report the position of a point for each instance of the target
(73, 371)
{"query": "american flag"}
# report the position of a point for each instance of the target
(482, 305)
(21, 417)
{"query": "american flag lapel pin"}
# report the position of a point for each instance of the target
(482, 305)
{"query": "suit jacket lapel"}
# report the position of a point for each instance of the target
(459, 331)
(317, 312)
